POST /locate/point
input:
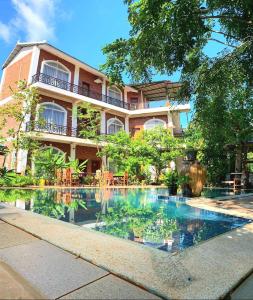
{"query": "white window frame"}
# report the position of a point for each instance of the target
(154, 119)
(55, 148)
(116, 88)
(111, 121)
(66, 70)
(61, 108)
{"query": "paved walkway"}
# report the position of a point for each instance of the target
(31, 268)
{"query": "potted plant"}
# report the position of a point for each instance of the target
(171, 180)
(191, 154)
(183, 181)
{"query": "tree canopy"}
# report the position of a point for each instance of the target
(169, 36)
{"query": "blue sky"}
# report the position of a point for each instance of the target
(78, 27)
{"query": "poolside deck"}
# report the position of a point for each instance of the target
(210, 270)
(31, 268)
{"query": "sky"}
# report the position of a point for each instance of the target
(79, 27)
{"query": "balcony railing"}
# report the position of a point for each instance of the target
(64, 85)
(58, 130)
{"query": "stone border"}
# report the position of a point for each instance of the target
(209, 270)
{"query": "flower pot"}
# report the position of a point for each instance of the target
(172, 189)
(191, 154)
(186, 190)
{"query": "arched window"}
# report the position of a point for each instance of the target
(55, 150)
(53, 117)
(114, 92)
(114, 125)
(150, 124)
(56, 70)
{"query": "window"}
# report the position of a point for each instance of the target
(114, 125)
(56, 70)
(114, 93)
(85, 88)
(150, 124)
(54, 117)
(134, 103)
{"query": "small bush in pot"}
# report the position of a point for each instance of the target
(171, 180)
(183, 181)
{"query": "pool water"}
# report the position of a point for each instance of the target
(221, 192)
(148, 216)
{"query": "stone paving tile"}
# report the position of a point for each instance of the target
(13, 286)
(110, 287)
(244, 291)
(52, 271)
(11, 236)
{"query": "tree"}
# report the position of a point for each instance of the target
(152, 148)
(23, 104)
(159, 147)
(168, 36)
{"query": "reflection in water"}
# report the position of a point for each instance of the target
(146, 216)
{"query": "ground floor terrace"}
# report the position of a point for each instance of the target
(76, 262)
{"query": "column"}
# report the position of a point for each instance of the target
(21, 160)
(170, 123)
(127, 124)
(73, 151)
(104, 86)
(76, 75)
(34, 63)
(74, 116)
(103, 123)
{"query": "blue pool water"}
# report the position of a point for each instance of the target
(147, 216)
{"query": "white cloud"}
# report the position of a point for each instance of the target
(5, 32)
(34, 20)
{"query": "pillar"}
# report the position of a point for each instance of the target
(127, 124)
(73, 151)
(103, 123)
(21, 160)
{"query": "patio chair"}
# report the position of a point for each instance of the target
(66, 176)
(108, 178)
(125, 179)
(58, 177)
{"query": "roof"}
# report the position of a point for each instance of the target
(19, 46)
(158, 90)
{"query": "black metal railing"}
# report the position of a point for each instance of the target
(44, 78)
(61, 130)
(51, 128)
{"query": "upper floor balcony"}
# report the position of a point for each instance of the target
(69, 131)
(65, 85)
(152, 101)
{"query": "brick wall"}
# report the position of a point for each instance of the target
(89, 153)
(15, 72)
(89, 78)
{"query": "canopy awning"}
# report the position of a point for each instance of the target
(158, 90)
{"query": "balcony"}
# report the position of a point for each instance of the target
(67, 86)
(50, 128)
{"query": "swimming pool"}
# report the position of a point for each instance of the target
(145, 215)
